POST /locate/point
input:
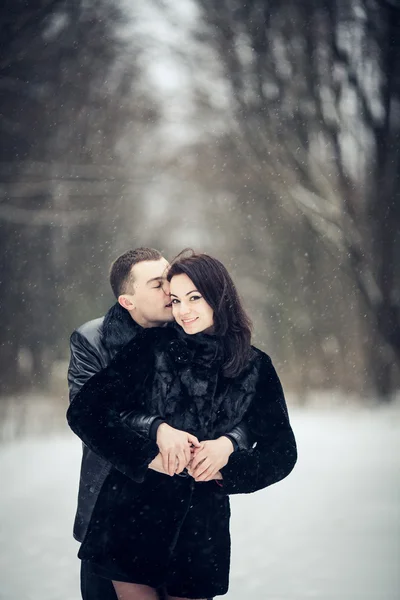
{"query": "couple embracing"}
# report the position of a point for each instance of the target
(177, 411)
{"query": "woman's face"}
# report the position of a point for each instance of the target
(189, 308)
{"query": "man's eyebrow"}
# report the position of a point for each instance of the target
(160, 278)
(186, 294)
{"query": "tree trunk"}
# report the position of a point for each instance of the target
(385, 214)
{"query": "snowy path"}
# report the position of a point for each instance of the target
(331, 531)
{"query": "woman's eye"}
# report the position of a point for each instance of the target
(174, 301)
(195, 297)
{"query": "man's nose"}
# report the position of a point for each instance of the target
(165, 288)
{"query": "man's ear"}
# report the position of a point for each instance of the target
(126, 301)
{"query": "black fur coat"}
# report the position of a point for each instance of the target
(158, 530)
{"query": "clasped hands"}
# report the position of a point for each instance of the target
(180, 450)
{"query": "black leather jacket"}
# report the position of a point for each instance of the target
(93, 346)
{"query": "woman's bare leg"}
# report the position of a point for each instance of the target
(134, 591)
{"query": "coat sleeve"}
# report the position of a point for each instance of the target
(274, 454)
(94, 415)
(84, 363)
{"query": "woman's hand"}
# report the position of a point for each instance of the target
(210, 458)
(175, 448)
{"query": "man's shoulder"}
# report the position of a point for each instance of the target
(91, 331)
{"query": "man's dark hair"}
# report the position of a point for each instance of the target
(121, 268)
(231, 322)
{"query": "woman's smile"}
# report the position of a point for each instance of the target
(186, 298)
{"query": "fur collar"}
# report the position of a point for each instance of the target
(198, 348)
(118, 328)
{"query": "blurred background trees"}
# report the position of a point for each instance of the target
(69, 91)
(315, 89)
(264, 132)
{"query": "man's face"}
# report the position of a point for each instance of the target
(149, 302)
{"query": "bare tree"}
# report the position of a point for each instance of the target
(315, 93)
(66, 98)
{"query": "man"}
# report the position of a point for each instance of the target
(138, 280)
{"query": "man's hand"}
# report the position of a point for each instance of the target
(157, 465)
(210, 458)
(175, 448)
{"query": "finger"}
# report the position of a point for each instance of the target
(197, 459)
(164, 458)
(198, 448)
(203, 466)
(204, 477)
(207, 475)
(181, 462)
(171, 462)
(190, 467)
(184, 458)
(194, 450)
(210, 475)
(188, 456)
(204, 474)
(193, 440)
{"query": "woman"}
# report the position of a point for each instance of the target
(150, 530)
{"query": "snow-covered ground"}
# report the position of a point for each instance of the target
(330, 531)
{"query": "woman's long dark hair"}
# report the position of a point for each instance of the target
(231, 323)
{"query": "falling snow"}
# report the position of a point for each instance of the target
(330, 531)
